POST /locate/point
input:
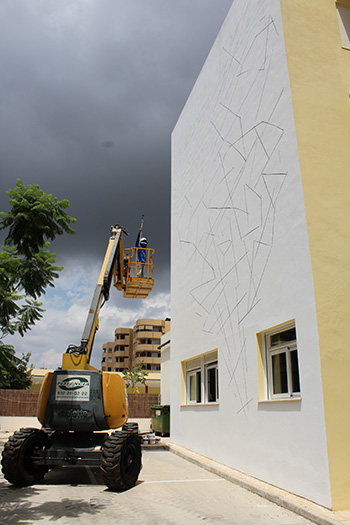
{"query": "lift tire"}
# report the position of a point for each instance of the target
(17, 457)
(131, 428)
(121, 460)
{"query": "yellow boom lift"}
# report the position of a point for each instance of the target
(78, 404)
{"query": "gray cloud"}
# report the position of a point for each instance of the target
(89, 95)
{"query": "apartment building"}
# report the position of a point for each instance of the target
(147, 335)
(140, 343)
(117, 355)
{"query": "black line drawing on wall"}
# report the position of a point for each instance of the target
(227, 227)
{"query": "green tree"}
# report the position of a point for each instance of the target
(135, 376)
(14, 372)
(27, 266)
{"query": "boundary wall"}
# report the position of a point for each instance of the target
(22, 403)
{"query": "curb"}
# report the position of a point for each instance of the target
(157, 446)
(296, 504)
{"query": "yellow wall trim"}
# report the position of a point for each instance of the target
(319, 73)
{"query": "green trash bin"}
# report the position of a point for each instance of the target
(161, 419)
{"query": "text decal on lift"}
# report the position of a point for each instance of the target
(72, 388)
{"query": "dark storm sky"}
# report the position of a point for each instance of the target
(90, 91)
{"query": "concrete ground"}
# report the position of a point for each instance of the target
(175, 486)
(170, 490)
(315, 513)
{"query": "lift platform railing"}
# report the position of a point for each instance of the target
(138, 275)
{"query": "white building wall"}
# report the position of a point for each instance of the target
(165, 369)
(240, 257)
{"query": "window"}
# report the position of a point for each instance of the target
(344, 22)
(201, 379)
(147, 328)
(194, 386)
(212, 385)
(282, 367)
(149, 341)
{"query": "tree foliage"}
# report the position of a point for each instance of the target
(31, 206)
(135, 376)
(27, 266)
(14, 372)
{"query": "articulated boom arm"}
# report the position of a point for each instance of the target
(113, 264)
(124, 269)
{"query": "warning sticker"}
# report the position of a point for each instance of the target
(72, 388)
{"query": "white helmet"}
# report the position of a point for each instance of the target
(144, 240)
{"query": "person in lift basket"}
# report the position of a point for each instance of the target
(142, 254)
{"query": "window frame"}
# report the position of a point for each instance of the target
(196, 373)
(286, 347)
(212, 366)
(199, 368)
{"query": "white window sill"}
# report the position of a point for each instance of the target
(282, 399)
(199, 404)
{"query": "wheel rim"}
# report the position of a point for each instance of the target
(30, 449)
(28, 457)
(129, 460)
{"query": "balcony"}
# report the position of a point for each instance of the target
(121, 353)
(121, 349)
(145, 348)
(147, 334)
(148, 360)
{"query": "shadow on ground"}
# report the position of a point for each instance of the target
(25, 505)
(17, 506)
(73, 476)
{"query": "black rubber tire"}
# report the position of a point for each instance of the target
(121, 460)
(131, 428)
(17, 463)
